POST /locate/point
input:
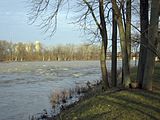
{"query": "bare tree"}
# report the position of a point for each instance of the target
(144, 19)
(114, 49)
(46, 11)
(123, 42)
(103, 32)
(153, 37)
(128, 27)
(94, 8)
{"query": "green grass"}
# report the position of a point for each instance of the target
(133, 104)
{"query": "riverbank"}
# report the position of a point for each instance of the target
(131, 104)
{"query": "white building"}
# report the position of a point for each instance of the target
(38, 46)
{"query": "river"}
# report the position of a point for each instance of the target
(25, 87)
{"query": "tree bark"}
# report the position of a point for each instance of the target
(144, 21)
(104, 68)
(128, 27)
(103, 32)
(153, 35)
(114, 50)
(123, 42)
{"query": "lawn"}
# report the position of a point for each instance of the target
(131, 104)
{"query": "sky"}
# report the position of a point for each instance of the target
(14, 26)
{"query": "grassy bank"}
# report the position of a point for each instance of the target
(132, 104)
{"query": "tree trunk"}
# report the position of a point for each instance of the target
(144, 20)
(114, 50)
(103, 32)
(153, 35)
(123, 42)
(128, 27)
(104, 68)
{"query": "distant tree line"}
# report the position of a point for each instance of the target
(37, 52)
